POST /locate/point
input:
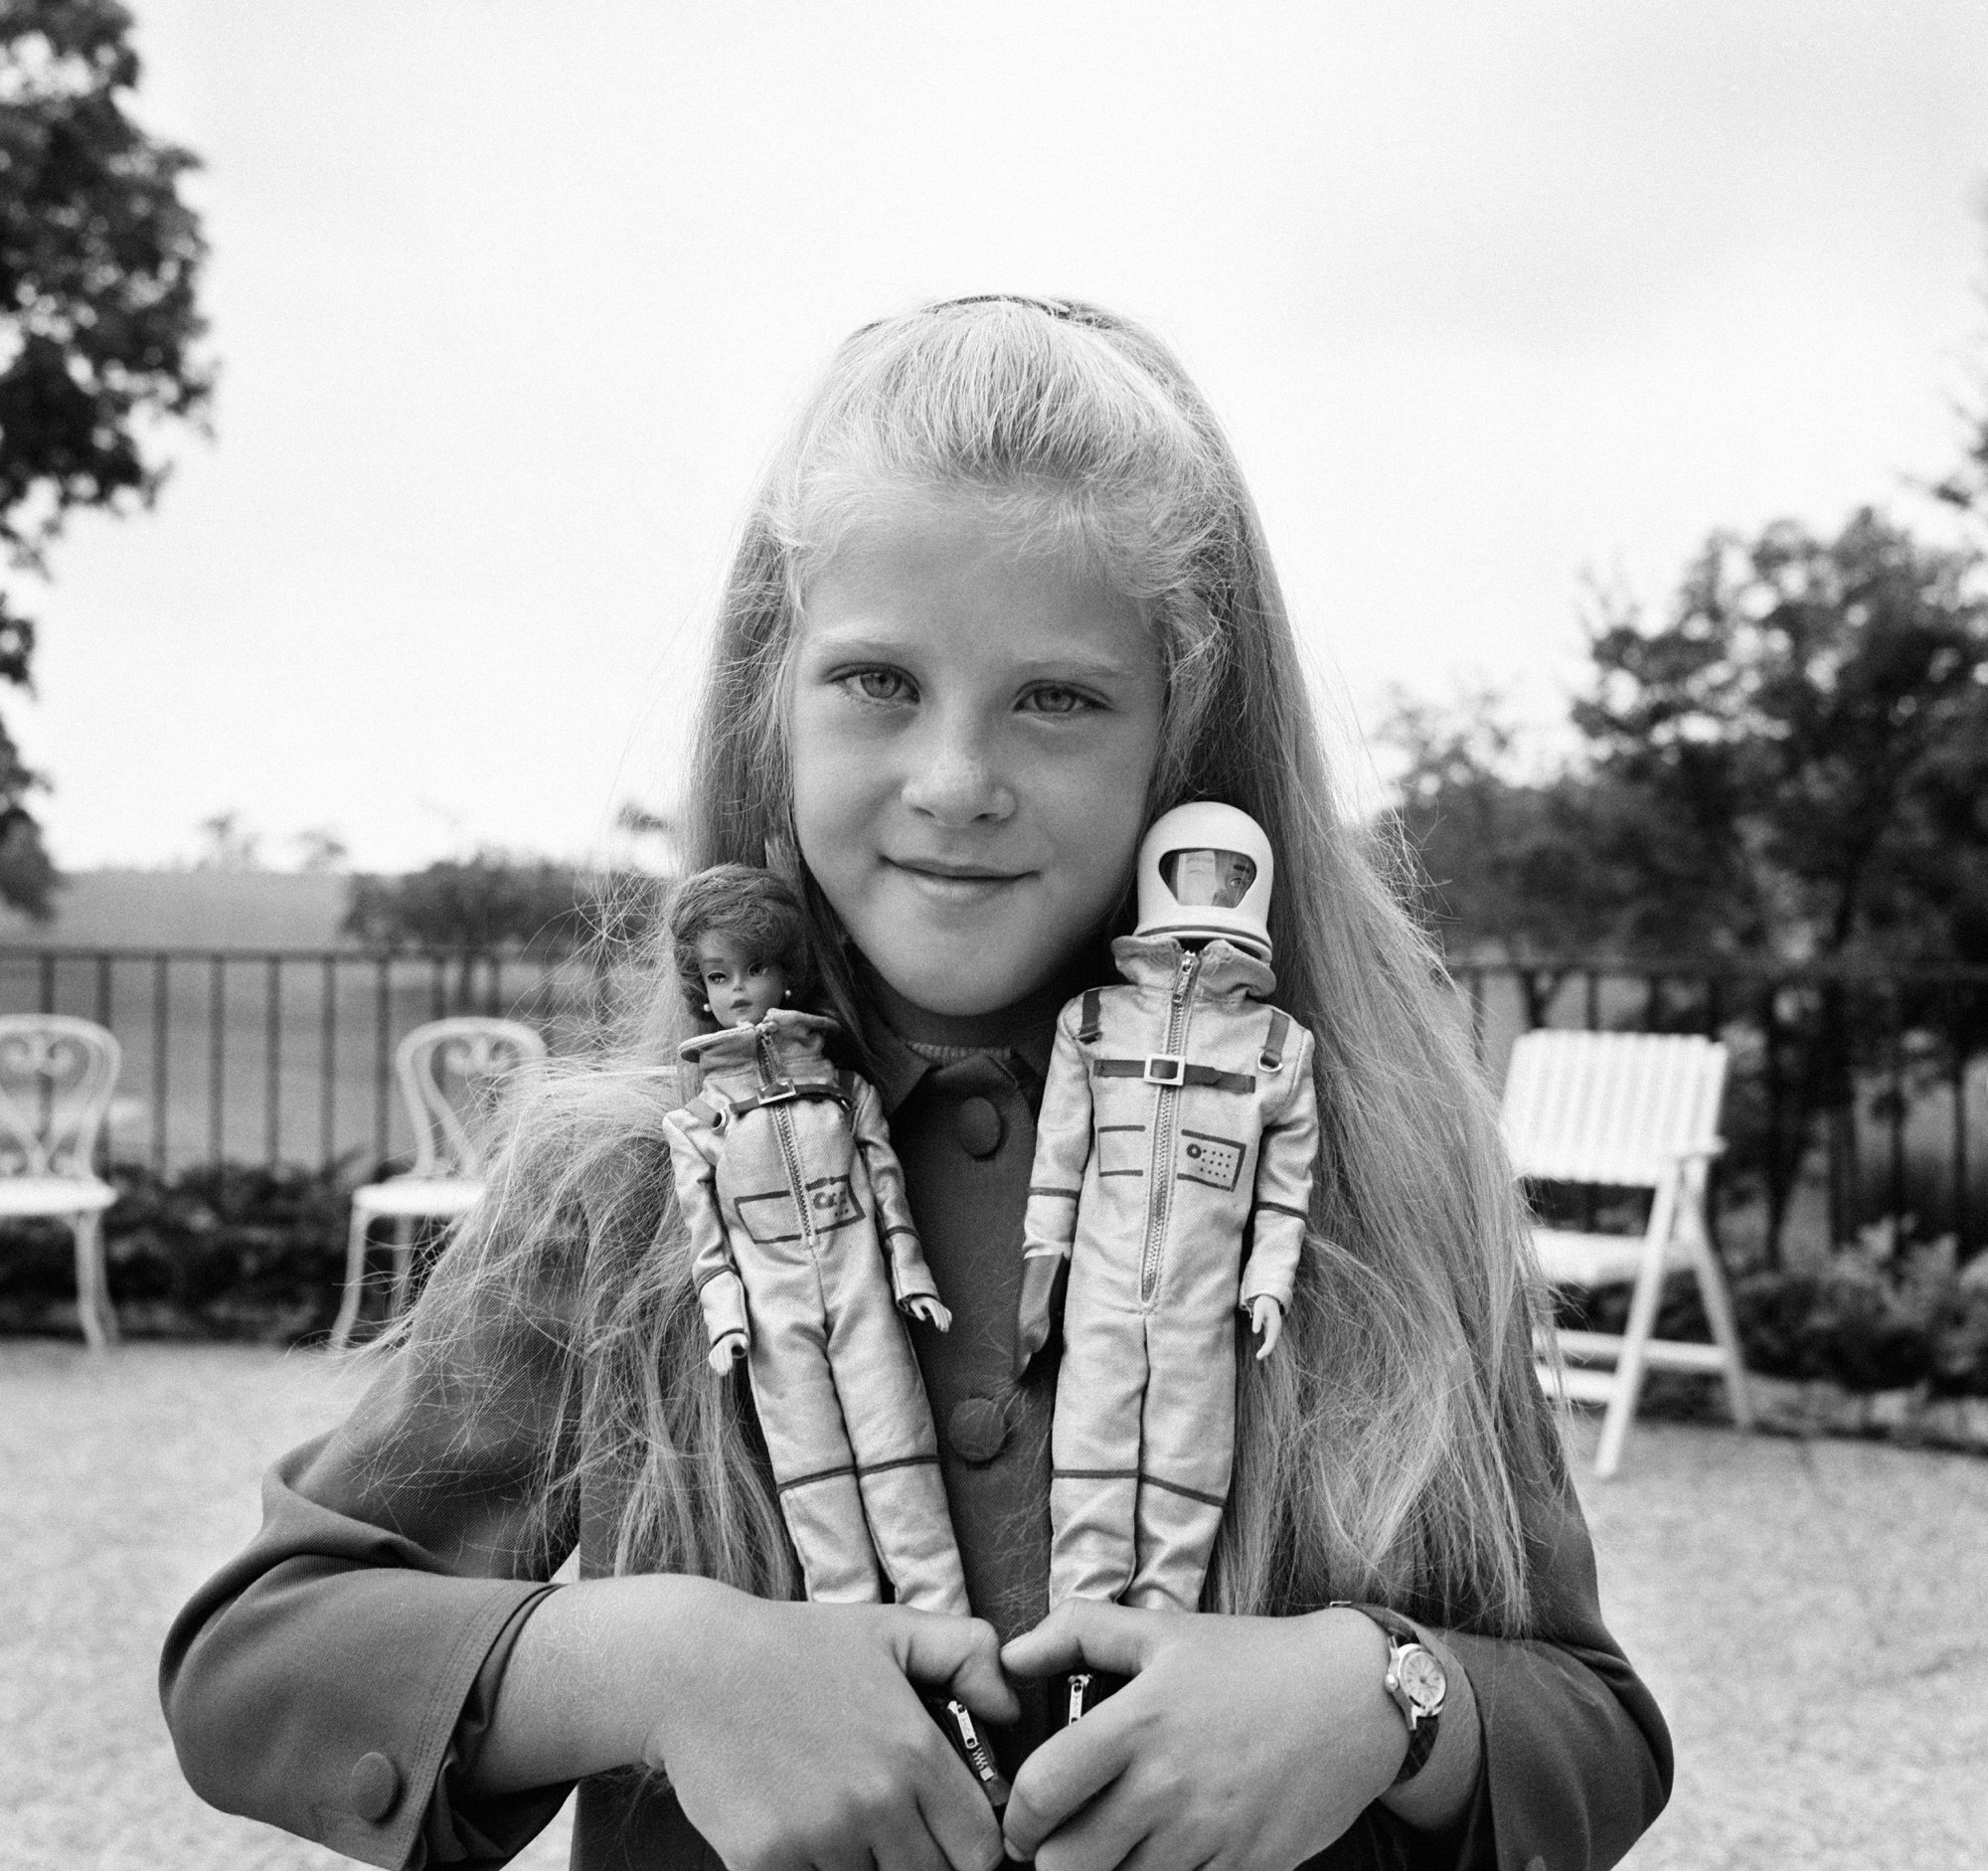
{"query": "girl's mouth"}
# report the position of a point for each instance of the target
(953, 883)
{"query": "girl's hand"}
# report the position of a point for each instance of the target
(923, 1306)
(794, 1738)
(726, 1352)
(1248, 1744)
(1266, 1321)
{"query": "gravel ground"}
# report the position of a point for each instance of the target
(1812, 1616)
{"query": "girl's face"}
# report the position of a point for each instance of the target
(973, 730)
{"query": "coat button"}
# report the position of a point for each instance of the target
(979, 1126)
(374, 1786)
(976, 1430)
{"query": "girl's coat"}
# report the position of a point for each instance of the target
(791, 1195)
(331, 1678)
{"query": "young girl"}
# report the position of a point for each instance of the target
(1001, 599)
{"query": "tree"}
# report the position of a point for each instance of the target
(1514, 867)
(100, 264)
(1804, 742)
(482, 904)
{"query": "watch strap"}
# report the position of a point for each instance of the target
(1422, 1726)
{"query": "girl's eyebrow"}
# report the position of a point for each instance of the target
(831, 646)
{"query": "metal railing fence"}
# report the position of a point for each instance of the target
(279, 1055)
(1852, 1095)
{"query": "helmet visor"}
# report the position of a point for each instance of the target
(1203, 879)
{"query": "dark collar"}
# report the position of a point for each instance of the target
(900, 1070)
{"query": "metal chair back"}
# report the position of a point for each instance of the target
(451, 1072)
(56, 1075)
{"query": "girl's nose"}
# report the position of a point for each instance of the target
(953, 779)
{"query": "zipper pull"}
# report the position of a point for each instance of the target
(1183, 975)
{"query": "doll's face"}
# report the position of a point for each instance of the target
(741, 988)
(973, 727)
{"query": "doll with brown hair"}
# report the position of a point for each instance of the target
(805, 1257)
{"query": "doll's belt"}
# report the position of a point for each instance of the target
(786, 1091)
(1172, 1069)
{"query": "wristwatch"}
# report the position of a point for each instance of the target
(1414, 1680)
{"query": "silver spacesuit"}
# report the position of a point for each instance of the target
(1178, 1120)
(792, 1196)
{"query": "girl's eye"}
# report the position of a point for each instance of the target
(1055, 699)
(881, 685)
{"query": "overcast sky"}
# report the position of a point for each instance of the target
(509, 300)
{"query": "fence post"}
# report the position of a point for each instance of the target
(216, 1035)
(327, 1094)
(382, 1017)
(161, 1049)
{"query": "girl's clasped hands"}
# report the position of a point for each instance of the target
(1244, 1742)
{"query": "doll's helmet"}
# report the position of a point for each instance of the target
(1206, 870)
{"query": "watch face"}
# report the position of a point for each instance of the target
(1421, 1678)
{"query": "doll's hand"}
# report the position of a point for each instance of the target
(1245, 1742)
(1266, 1321)
(923, 1306)
(810, 1710)
(726, 1352)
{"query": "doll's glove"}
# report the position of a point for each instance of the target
(1040, 1309)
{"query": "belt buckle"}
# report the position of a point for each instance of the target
(1164, 1068)
(777, 1091)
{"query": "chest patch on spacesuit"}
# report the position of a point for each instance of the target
(771, 1217)
(1215, 1161)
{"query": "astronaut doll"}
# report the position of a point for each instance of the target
(1179, 1127)
(804, 1253)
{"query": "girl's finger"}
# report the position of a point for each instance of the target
(1103, 1837)
(1066, 1771)
(1082, 1634)
(960, 1655)
(959, 1824)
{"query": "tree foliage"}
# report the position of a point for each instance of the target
(100, 267)
(1803, 749)
(1791, 768)
(487, 903)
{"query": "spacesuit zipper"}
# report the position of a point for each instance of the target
(783, 1128)
(1160, 1185)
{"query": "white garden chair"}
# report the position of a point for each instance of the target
(56, 1075)
(1636, 1111)
(450, 1074)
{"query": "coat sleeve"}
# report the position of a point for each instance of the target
(694, 1151)
(911, 1277)
(1284, 1165)
(1576, 1759)
(327, 1679)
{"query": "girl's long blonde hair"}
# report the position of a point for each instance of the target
(1385, 1451)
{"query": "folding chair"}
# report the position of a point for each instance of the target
(1636, 1111)
(451, 1073)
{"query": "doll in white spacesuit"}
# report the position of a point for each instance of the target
(805, 1254)
(1172, 1177)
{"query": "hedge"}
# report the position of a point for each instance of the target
(233, 1250)
(218, 1251)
